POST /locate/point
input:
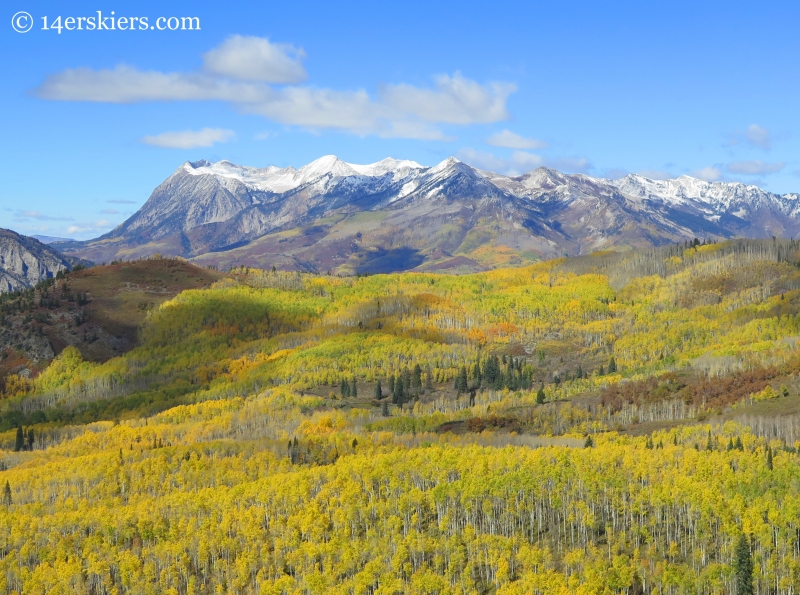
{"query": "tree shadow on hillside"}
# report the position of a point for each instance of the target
(389, 261)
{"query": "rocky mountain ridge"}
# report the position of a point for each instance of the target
(399, 215)
(24, 261)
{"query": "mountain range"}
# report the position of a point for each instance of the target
(399, 215)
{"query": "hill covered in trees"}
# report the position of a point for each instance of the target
(612, 423)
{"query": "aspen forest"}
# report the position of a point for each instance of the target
(612, 423)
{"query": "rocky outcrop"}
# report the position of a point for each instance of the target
(25, 261)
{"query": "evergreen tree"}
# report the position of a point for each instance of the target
(344, 389)
(398, 391)
(378, 391)
(476, 372)
(391, 384)
(491, 371)
(353, 389)
(7, 494)
(19, 444)
(416, 379)
(428, 378)
(769, 458)
(743, 567)
(589, 442)
(612, 365)
(384, 409)
(540, 395)
(461, 380)
(30, 439)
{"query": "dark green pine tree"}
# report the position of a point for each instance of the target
(7, 494)
(428, 378)
(20, 442)
(769, 458)
(476, 372)
(509, 380)
(378, 391)
(353, 389)
(345, 388)
(391, 384)
(589, 442)
(743, 567)
(461, 380)
(406, 384)
(416, 379)
(384, 409)
(397, 398)
(612, 365)
(540, 395)
(31, 439)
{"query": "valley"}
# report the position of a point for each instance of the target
(617, 419)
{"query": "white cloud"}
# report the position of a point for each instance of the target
(511, 140)
(483, 160)
(757, 136)
(709, 174)
(321, 108)
(570, 165)
(90, 227)
(454, 100)
(754, 168)
(256, 59)
(40, 216)
(239, 69)
(189, 139)
(126, 84)
(521, 161)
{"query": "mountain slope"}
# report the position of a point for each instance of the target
(25, 261)
(399, 215)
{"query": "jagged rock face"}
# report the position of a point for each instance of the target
(25, 261)
(330, 214)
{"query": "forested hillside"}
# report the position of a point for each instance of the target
(615, 423)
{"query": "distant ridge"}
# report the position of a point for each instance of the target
(400, 215)
(50, 239)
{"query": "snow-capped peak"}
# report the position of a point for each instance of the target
(329, 164)
(385, 166)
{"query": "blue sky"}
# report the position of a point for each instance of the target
(92, 121)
